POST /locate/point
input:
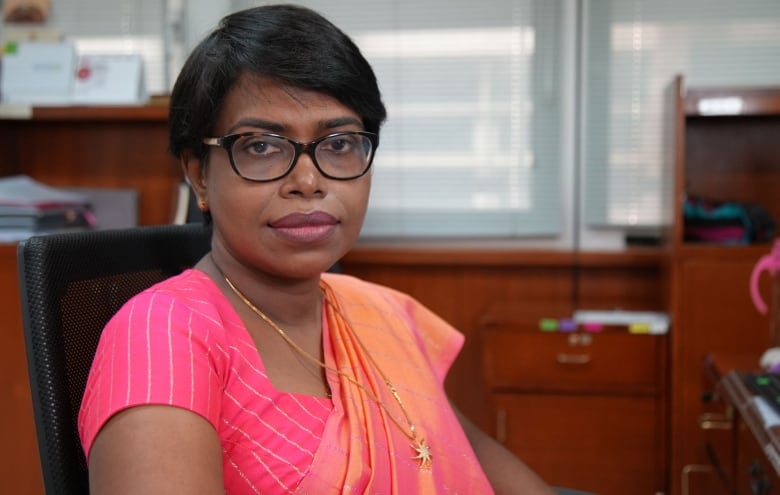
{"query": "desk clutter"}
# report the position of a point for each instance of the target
(53, 73)
(721, 222)
(593, 321)
(766, 386)
(29, 207)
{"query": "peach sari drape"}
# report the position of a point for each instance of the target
(363, 450)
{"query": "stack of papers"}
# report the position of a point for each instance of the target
(640, 321)
(28, 207)
(768, 414)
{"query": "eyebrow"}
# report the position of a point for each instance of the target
(342, 121)
(279, 128)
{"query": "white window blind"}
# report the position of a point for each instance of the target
(473, 138)
(118, 27)
(633, 51)
(478, 132)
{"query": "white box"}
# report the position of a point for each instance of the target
(37, 72)
(109, 80)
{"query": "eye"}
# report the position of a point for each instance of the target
(344, 143)
(259, 146)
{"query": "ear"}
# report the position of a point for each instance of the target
(194, 172)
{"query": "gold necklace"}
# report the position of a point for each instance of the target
(419, 445)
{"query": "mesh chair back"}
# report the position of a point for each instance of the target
(70, 286)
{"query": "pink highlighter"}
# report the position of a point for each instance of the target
(770, 263)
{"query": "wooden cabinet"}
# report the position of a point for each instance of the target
(472, 287)
(727, 150)
(585, 410)
(19, 464)
(102, 147)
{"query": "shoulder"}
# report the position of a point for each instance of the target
(189, 291)
(190, 285)
(357, 295)
(371, 307)
(353, 288)
(189, 304)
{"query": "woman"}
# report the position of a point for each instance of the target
(255, 372)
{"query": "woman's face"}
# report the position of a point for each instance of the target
(296, 226)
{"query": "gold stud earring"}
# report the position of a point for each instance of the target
(203, 205)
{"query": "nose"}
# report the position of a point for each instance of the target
(304, 179)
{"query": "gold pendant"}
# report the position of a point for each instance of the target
(423, 453)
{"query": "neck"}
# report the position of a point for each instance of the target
(295, 304)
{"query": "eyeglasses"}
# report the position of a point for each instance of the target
(265, 157)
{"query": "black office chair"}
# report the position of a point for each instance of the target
(70, 286)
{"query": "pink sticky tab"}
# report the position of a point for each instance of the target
(592, 327)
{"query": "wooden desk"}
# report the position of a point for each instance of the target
(752, 466)
(19, 462)
(758, 446)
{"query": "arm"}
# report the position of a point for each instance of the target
(506, 473)
(154, 450)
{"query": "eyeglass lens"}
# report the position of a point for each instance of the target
(266, 157)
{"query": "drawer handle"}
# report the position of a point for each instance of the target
(573, 358)
(686, 473)
(715, 421)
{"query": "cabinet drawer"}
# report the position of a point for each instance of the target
(602, 444)
(613, 360)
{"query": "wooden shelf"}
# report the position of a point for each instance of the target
(155, 113)
(719, 102)
(727, 149)
(495, 254)
(725, 252)
(76, 114)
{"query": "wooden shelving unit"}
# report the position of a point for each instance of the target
(726, 150)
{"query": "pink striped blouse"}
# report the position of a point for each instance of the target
(182, 344)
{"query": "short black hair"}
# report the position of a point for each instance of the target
(290, 44)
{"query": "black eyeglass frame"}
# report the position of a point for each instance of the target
(226, 142)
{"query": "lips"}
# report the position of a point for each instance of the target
(305, 227)
(301, 220)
